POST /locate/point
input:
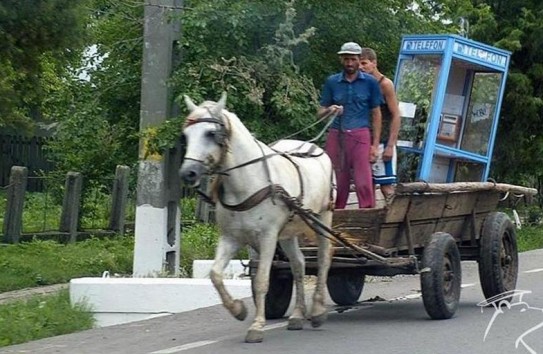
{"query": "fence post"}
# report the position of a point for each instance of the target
(13, 222)
(119, 198)
(69, 218)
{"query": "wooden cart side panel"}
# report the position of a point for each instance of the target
(393, 236)
(416, 207)
(437, 205)
(487, 201)
(427, 213)
(359, 225)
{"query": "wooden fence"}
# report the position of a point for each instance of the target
(22, 151)
(69, 230)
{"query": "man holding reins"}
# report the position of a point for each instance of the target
(353, 96)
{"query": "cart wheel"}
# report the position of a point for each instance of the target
(345, 289)
(498, 262)
(440, 285)
(279, 293)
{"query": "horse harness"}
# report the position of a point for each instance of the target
(269, 191)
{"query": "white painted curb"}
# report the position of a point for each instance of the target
(122, 300)
(234, 270)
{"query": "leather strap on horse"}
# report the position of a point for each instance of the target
(255, 199)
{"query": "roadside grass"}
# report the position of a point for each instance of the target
(530, 238)
(42, 317)
(36, 263)
(47, 262)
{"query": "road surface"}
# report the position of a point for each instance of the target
(397, 325)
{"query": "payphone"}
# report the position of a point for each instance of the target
(450, 91)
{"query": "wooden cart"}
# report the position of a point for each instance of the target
(427, 229)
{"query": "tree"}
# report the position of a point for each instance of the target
(98, 116)
(40, 38)
(516, 26)
(271, 57)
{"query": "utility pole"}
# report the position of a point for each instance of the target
(157, 230)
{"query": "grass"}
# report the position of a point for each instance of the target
(42, 317)
(47, 262)
(38, 263)
(529, 238)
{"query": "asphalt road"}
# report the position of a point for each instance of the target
(398, 325)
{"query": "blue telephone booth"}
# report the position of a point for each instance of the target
(450, 91)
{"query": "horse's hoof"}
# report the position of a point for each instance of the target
(254, 336)
(240, 311)
(317, 321)
(295, 324)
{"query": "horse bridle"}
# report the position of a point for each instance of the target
(221, 136)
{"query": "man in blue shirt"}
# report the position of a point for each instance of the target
(353, 96)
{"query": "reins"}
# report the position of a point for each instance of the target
(330, 115)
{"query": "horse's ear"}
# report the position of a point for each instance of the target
(190, 104)
(220, 105)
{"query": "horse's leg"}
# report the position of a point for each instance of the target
(318, 311)
(297, 265)
(267, 244)
(226, 249)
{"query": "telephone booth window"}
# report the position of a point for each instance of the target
(480, 115)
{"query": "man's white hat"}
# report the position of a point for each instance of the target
(350, 48)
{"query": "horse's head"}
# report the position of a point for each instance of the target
(206, 133)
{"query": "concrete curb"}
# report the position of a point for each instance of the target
(24, 294)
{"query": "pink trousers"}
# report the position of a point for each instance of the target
(352, 158)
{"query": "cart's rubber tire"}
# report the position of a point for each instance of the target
(441, 278)
(345, 289)
(498, 262)
(279, 293)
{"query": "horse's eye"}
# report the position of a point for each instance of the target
(210, 134)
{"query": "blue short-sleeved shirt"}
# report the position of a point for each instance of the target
(358, 98)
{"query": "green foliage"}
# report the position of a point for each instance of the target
(40, 213)
(86, 141)
(42, 317)
(270, 57)
(188, 210)
(198, 241)
(95, 207)
(47, 262)
(261, 77)
(529, 238)
(518, 27)
(39, 39)
(98, 118)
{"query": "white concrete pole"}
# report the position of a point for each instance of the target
(157, 229)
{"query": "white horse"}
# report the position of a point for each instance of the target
(251, 209)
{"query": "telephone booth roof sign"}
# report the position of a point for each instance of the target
(462, 48)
